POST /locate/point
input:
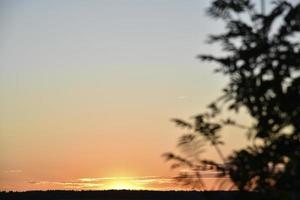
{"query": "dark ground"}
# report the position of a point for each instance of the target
(140, 195)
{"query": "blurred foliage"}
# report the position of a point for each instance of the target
(261, 58)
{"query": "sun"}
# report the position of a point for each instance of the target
(123, 185)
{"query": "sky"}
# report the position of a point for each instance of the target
(88, 88)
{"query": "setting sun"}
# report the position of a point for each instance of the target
(123, 185)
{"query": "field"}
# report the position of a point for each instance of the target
(137, 195)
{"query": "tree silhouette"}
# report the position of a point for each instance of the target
(262, 60)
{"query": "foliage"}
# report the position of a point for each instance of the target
(262, 60)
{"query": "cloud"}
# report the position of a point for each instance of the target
(104, 183)
(12, 171)
(99, 183)
(89, 179)
(79, 185)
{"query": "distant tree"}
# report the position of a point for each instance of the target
(262, 61)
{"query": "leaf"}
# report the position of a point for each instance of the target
(182, 123)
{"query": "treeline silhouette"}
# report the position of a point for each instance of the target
(136, 195)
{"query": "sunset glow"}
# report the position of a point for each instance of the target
(110, 183)
(88, 89)
(123, 185)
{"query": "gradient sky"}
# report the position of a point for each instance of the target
(88, 89)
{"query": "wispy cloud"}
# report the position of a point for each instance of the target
(78, 185)
(116, 178)
(13, 171)
(140, 182)
(98, 183)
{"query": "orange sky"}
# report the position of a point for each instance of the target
(88, 90)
